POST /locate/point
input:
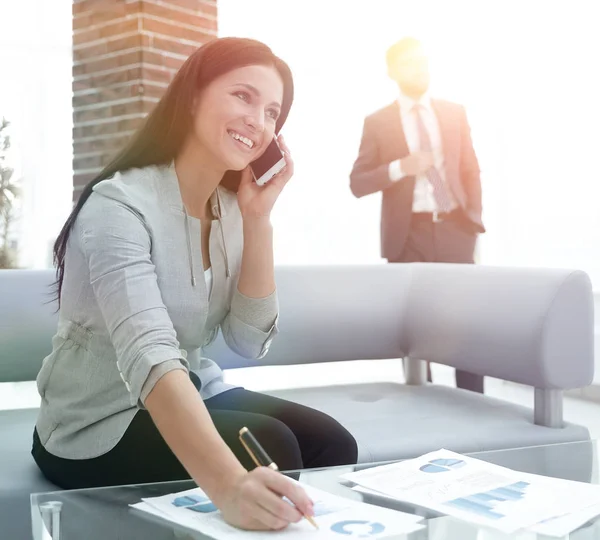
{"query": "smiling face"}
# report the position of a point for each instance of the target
(235, 116)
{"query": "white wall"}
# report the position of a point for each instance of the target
(529, 83)
(35, 95)
(527, 72)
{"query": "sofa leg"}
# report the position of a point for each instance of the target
(548, 408)
(415, 371)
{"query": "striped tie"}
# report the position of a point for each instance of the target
(440, 191)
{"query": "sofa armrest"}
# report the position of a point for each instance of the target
(530, 326)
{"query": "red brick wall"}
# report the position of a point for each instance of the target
(125, 52)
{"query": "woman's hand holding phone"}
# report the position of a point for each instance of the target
(257, 200)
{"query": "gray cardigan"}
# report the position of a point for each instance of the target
(135, 306)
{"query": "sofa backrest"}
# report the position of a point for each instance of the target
(333, 313)
(327, 313)
(28, 321)
(534, 326)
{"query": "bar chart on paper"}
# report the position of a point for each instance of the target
(488, 504)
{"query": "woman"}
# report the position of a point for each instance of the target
(171, 242)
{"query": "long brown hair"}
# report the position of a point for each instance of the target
(161, 136)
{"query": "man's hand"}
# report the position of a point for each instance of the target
(417, 163)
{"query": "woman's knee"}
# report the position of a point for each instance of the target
(332, 445)
(346, 447)
(351, 447)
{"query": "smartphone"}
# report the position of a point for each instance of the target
(269, 164)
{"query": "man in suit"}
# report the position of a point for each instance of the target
(418, 152)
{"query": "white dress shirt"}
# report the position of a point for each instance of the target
(208, 277)
(424, 199)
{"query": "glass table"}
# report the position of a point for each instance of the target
(104, 513)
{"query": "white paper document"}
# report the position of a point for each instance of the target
(558, 527)
(480, 492)
(336, 517)
(566, 524)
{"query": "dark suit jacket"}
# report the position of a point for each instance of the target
(383, 141)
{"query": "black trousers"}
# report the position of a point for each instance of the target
(295, 437)
(449, 241)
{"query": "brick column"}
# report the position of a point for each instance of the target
(125, 53)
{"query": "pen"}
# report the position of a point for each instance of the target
(261, 458)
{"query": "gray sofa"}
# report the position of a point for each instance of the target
(533, 327)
